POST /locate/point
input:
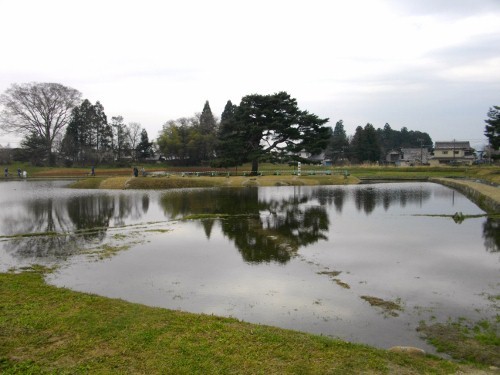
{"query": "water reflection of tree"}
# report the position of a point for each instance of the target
(47, 216)
(36, 217)
(491, 234)
(65, 226)
(91, 213)
(365, 199)
(263, 230)
(329, 196)
(145, 203)
(368, 198)
(178, 204)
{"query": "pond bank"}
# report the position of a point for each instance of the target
(179, 182)
(486, 196)
(87, 333)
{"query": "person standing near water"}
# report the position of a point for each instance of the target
(6, 171)
(92, 171)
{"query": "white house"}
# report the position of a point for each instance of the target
(452, 153)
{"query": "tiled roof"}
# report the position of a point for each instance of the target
(452, 145)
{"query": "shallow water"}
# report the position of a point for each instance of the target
(293, 257)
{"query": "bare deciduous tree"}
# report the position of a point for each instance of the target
(38, 109)
(134, 137)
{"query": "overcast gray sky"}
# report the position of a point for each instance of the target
(429, 65)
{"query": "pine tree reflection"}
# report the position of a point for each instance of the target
(92, 215)
(263, 229)
(368, 198)
(329, 196)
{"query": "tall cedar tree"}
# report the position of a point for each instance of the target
(228, 146)
(492, 128)
(88, 135)
(121, 145)
(205, 140)
(393, 139)
(356, 147)
(338, 142)
(371, 145)
(208, 125)
(365, 145)
(273, 126)
(145, 148)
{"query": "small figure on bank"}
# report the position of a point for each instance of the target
(143, 172)
(6, 171)
(19, 172)
(25, 174)
(136, 172)
(92, 171)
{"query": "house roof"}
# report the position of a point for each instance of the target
(413, 149)
(453, 145)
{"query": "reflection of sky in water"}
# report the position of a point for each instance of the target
(265, 267)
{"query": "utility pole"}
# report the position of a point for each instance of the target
(453, 151)
(421, 151)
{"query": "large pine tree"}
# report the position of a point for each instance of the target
(267, 126)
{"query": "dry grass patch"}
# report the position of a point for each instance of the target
(115, 183)
(388, 307)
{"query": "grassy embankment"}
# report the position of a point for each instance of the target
(272, 175)
(310, 174)
(44, 329)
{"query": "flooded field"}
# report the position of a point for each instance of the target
(364, 263)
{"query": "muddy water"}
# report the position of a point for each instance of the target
(305, 258)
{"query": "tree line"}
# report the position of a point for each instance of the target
(91, 138)
(57, 125)
(272, 128)
(371, 145)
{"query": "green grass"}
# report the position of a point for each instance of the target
(472, 341)
(44, 329)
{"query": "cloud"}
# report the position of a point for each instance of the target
(445, 8)
(364, 61)
(476, 48)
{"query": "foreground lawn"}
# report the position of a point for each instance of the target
(44, 329)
